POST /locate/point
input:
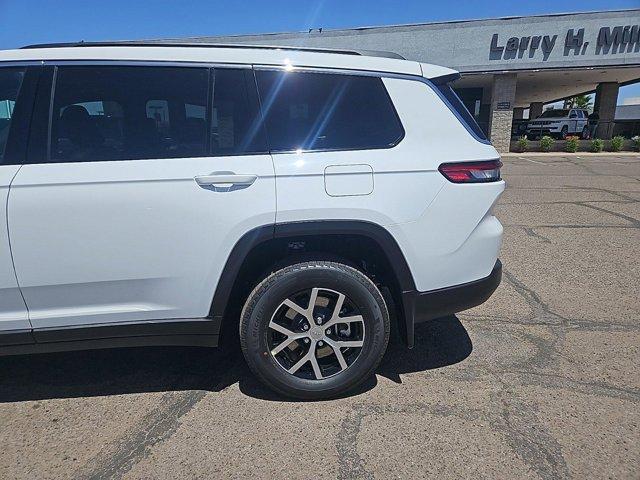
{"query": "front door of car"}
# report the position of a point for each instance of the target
(150, 176)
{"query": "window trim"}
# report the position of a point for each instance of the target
(353, 73)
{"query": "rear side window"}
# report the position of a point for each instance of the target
(451, 97)
(10, 82)
(236, 126)
(127, 113)
(321, 111)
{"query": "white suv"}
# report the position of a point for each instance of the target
(560, 123)
(153, 194)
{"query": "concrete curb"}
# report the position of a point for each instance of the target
(568, 154)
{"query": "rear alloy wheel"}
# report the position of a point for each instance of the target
(314, 330)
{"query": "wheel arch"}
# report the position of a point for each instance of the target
(247, 252)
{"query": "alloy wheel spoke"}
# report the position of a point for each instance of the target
(282, 346)
(315, 364)
(338, 307)
(352, 319)
(280, 329)
(298, 364)
(294, 306)
(338, 353)
(312, 302)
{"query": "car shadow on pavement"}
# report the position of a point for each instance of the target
(439, 343)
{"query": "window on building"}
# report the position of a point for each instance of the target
(10, 82)
(319, 111)
(127, 113)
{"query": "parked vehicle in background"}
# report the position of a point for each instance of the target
(559, 123)
(151, 194)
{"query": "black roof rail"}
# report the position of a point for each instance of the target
(165, 43)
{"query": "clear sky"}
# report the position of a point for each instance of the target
(38, 21)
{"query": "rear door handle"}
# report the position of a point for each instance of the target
(226, 179)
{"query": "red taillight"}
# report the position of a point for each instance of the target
(471, 172)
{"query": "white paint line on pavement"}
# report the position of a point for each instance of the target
(532, 161)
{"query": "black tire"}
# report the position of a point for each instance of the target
(267, 298)
(585, 133)
(564, 132)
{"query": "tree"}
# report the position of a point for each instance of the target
(579, 101)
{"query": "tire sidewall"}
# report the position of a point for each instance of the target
(357, 288)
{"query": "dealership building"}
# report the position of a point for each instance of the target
(508, 65)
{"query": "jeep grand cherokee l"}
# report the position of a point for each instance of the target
(150, 194)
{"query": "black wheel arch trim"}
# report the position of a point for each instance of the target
(254, 237)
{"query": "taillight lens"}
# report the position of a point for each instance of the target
(471, 172)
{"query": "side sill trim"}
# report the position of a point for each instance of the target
(195, 332)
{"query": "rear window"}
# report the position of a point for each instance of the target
(461, 111)
(321, 111)
(10, 82)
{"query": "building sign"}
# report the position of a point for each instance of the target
(610, 40)
(503, 106)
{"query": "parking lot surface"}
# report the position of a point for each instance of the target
(542, 381)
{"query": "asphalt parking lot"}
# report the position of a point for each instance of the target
(542, 381)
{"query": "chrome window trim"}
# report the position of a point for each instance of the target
(144, 63)
(20, 63)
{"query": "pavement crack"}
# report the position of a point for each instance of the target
(526, 435)
(350, 463)
(532, 233)
(633, 221)
(155, 427)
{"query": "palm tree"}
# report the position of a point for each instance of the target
(579, 101)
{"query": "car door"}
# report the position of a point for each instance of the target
(129, 206)
(13, 312)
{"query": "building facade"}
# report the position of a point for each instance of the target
(507, 64)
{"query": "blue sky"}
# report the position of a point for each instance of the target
(37, 21)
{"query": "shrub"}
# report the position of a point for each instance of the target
(636, 142)
(546, 143)
(571, 145)
(596, 145)
(615, 145)
(523, 144)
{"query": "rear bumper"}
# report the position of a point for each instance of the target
(424, 306)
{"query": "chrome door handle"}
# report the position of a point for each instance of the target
(225, 179)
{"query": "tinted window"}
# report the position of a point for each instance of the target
(461, 111)
(318, 111)
(554, 113)
(10, 81)
(235, 120)
(126, 113)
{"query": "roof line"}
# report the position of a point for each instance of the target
(419, 24)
